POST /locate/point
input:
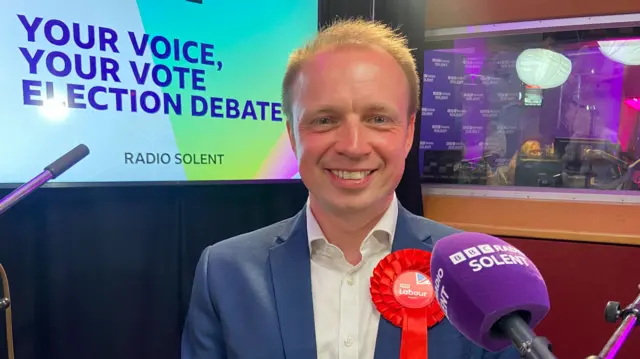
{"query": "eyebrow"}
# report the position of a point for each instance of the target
(377, 107)
(380, 108)
(331, 109)
(327, 109)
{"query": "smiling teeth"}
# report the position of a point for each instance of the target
(351, 175)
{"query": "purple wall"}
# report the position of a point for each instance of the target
(468, 89)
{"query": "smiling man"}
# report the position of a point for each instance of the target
(299, 289)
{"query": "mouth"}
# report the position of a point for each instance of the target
(352, 175)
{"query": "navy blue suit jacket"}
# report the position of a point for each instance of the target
(251, 298)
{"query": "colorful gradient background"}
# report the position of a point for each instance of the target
(253, 40)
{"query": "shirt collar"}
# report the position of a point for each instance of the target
(386, 224)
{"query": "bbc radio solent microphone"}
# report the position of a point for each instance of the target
(478, 258)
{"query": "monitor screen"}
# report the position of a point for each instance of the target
(160, 91)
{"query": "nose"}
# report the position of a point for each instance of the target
(352, 139)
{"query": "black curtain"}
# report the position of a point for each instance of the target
(331, 10)
(409, 17)
(104, 273)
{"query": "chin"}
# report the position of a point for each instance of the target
(354, 202)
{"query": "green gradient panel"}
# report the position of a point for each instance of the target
(253, 39)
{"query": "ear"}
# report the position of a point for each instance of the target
(292, 139)
(411, 128)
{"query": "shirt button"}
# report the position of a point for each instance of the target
(350, 280)
(348, 341)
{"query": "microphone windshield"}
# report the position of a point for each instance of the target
(479, 279)
(68, 160)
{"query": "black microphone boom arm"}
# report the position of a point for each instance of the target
(523, 338)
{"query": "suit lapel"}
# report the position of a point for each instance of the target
(291, 274)
(409, 234)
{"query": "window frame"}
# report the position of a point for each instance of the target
(563, 214)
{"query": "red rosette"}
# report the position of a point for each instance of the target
(402, 292)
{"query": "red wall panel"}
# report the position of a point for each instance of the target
(581, 279)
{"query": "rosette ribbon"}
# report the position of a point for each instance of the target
(402, 292)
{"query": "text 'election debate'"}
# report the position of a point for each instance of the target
(179, 68)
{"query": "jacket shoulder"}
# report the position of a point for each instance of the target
(250, 245)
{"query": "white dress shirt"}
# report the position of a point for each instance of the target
(346, 321)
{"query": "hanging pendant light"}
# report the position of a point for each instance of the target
(543, 68)
(626, 52)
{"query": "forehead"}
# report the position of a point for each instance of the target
(351, 76)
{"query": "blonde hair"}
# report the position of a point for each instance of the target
(530, 148)
(354, 32)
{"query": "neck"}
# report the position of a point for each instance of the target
(348, 229)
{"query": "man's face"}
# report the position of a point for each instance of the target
(351, 130)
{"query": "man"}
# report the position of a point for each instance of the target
(299, 289)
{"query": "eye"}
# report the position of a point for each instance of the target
(379, 120)
(322, 121)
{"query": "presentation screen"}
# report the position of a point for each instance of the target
(158, 90)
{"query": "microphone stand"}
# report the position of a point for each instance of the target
(528, 344)
(630, 317)
(5, 305)
(52, 171)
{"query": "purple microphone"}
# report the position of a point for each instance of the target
(52, 171)
(491, 292)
